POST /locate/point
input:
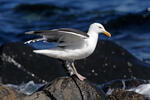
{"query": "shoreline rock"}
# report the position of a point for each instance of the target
(7, 93)
(119, 94)
(63, 88)
(71, 88)
(67, 88)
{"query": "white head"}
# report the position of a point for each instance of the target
(98, 28)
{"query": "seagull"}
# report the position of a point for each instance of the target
(71, 44)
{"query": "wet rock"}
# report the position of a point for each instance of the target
(74, 89)
(20, 65)
(71, 88)
(38, 96)
(64, 88)
(122, 84)
(118, 94)
(123, 89)
(108, 62)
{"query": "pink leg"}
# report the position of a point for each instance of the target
(77, 74)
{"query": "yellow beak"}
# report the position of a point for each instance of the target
(107, 33)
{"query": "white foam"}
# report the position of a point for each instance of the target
(27, 88)
(143, 89)
(109, 92)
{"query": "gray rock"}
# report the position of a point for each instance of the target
(74, 89)
(71, 88)
(7, 93)
(64, 88)
(118, 89)
(118, 94)
(38, 96)
(123, 84)
(67, 88)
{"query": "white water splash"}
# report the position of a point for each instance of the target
(27, 88)
(109, 92)
(143, 89)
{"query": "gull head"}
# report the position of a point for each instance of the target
(98, 28)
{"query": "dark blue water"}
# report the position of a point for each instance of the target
(127, 20)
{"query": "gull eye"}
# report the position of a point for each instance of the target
(100, 27)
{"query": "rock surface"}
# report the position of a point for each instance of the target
(64, 88)
(108, 62)
(71, 88)
(7, 93)
(118, 94)
(123, 84)
(119, 89)
(19, 61)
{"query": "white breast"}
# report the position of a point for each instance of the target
(91, 43)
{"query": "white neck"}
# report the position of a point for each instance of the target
(92, 40)
(92, 34)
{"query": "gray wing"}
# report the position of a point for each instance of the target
(63, 36)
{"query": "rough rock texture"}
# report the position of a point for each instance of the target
(71, 88)
(118, 94)
(38, 96)
(123, 84)
(68, 89)
(118, 89)
(108, 62)
(74, 89)
(7, 93)
(64, 88)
